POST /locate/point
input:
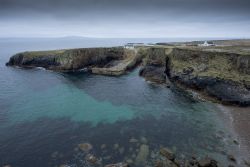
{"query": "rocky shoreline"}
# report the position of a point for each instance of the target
(222, 75)
(164, 157)
(105, 61)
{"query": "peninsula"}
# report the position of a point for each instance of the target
(221, 72)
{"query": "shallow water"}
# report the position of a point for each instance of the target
(45, 115)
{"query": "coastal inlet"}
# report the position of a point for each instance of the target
(66, 117)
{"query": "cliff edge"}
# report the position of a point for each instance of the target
(225, 76)
(222, 75)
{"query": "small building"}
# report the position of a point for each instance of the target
(207, 43)
(133, 45)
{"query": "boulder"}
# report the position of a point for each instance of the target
(167, 153)
(165, 163)
(207, 162)
(121, 164)
(91, 159)
(142, 154)
(133, 140)
(85, 147)
(231, 158)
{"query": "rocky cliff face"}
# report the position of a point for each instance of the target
(154, 65)
(67, 60)
(107, 61)
(224, 76)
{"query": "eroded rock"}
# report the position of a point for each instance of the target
(231, 158)
(167, 153)
(142, 154)
(207, 162)
(91, 159)
(121, 164)
(85, 147)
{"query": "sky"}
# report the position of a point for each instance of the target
(125, 18)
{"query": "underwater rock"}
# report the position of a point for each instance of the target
(85, 147)
(121, 164)
(129, 161)
(133, 155)
(143, 140)
(167, 153)
(103, 146)
(63, 165)
(116, 146)
(76, 149)
(247, 163)
(231, 158)
(121, 150)
(153, 154)
(158, 163)
(165, 163)
(91, 159)
(107, 157)
(207, 162)
(54, 154)
(142, 154)
(236, 142)
(133, 140)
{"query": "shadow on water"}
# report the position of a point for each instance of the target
(120, 113)
(51, 142)
(45, 115)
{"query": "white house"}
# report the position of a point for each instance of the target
(207, 43)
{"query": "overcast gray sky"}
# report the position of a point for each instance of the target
(125, 18)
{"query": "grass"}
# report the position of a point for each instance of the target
(44, 53)
(217, 66)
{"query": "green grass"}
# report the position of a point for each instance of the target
(43, 53)
(218, 66)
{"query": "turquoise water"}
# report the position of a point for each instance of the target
(45, 115)
(57, 102)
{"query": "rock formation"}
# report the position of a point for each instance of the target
(106, 61)
(224, 76)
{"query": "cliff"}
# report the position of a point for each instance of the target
(107, 61)
(222, 75)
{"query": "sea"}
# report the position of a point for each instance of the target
(53, 119)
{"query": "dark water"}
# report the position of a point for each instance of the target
(45, 115)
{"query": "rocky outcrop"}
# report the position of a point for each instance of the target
(226, 91)
(153, 73)
(119, 67)
(142, 155)
(106, 61)
(220, 75)
(154, 65)
(168, 159)
(117, 165)
(224, 76)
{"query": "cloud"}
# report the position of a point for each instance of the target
(125, 17)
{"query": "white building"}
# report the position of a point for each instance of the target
(207, 43)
